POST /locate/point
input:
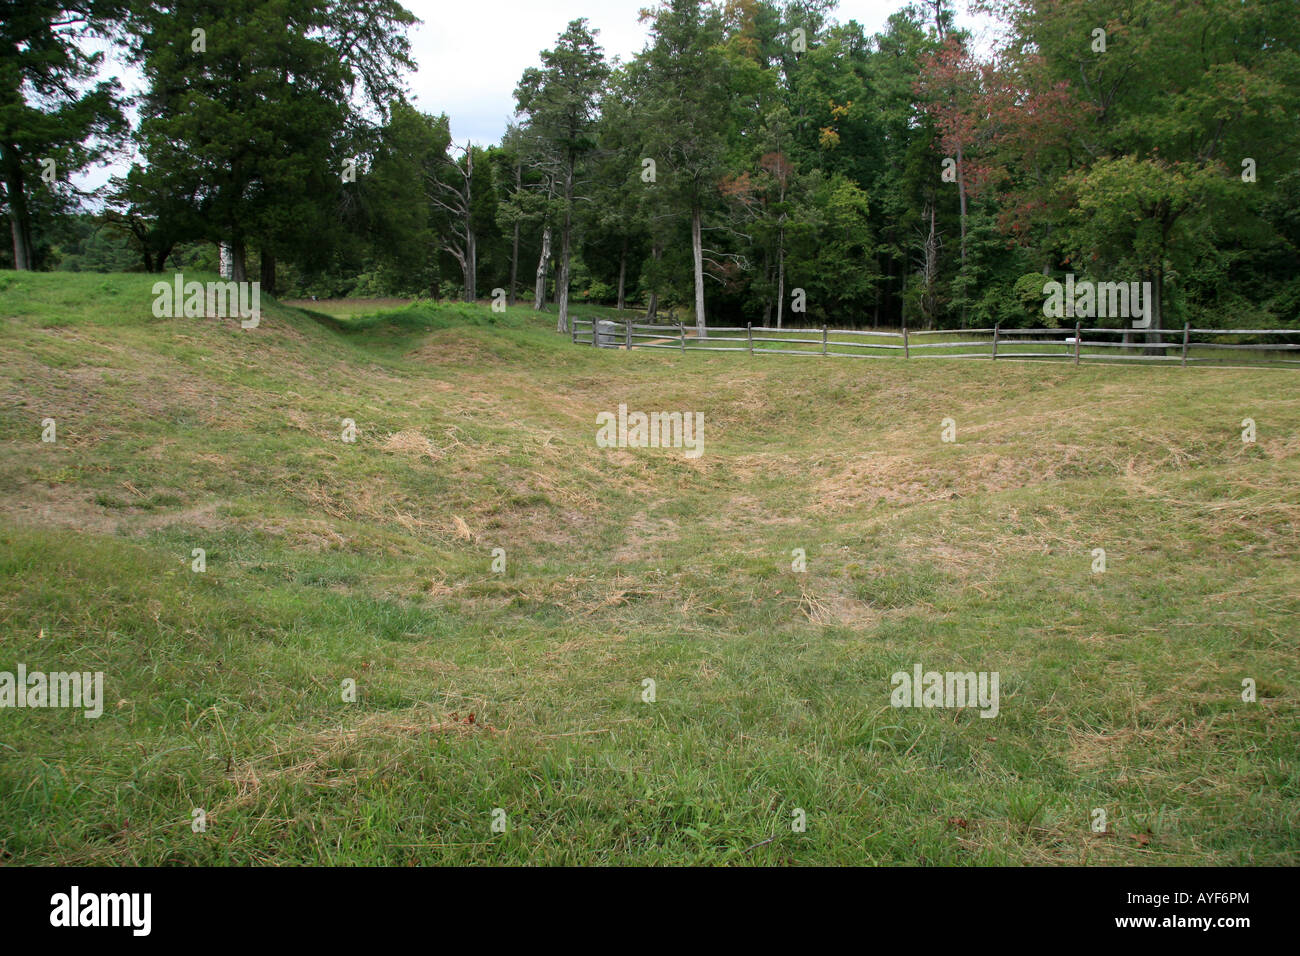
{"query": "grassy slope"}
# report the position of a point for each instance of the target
(371, 561)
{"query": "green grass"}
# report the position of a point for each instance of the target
(371, 562)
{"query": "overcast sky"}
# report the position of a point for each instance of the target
(469, 54)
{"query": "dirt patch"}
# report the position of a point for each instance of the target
(62, 506)
(643, 534)
(70, 507)
(198, 516)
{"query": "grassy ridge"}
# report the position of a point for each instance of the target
(371, 561)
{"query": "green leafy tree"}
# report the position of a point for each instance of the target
(559, 105)
(52, 123)
(250, 110)
(682, 115)
(398, 195)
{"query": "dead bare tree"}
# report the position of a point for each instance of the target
(928, 266)
(453, 193)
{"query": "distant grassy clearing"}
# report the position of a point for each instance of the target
(371, 561)
(347, 308)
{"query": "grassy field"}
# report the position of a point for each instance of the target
(522, 691)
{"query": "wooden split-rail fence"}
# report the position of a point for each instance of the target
(1256, 347)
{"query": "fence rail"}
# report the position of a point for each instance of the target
(1074, 345)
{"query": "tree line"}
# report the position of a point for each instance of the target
(757, 161)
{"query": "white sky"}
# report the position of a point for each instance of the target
(470, 53)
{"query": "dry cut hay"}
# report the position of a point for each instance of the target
(410, 441)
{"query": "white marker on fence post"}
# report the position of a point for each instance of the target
(749, 327)
(996, 326)
(1187, 330)
(1078, 337)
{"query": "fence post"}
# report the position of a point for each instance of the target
(681, 335)
(573, 331)
(823, 340)
(1078, 340)
(996, 326)
(627, 327)
(749, 326)
(1187, 331)
(906, 352)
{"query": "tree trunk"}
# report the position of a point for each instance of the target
(20, 225)
(961, 195)
(268, 273)
(652, 309)
(238, 260)
(622, 275)
(780, 260)
(780, 276)
(470, 264)
(539, 294)
(875, 314)
(514, 265)
(697, 252)
(566, 238)
(238, 253)
(767, 284)
(1157, 323)
(562, 284)
(931, 275)
(514, 249)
